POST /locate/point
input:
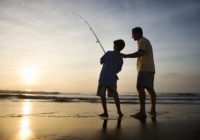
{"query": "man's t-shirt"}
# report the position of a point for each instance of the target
(112, 64)
(145, 62)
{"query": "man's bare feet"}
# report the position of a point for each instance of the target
(139, 115)
(153, 113)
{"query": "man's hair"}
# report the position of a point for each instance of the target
(138, 30)
(119, 44)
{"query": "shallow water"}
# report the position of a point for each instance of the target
(24, 119)
(170, 98)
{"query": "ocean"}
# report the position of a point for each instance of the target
(162, 98)
(59, 116)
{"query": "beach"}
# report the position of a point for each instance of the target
(39, 119)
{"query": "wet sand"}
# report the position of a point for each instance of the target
(27, 119)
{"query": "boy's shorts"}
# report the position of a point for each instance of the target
(145, 79)
(112, 91)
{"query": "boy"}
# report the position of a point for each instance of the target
(112, 63)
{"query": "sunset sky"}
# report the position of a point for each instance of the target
(45, 46)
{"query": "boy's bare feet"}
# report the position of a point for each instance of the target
(103, 115)
(121, 115)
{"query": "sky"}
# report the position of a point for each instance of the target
(45, 46)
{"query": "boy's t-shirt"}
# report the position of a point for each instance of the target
(112, 64)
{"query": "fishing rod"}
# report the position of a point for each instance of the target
(98, 41)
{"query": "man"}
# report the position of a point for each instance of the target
(146, 71)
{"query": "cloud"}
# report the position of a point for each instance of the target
(49, 33)
(174, 82)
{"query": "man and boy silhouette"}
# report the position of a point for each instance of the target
(112, 62)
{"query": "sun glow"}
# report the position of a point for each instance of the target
(29, 74)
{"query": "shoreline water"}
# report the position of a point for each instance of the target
(75, 117)
(173, 98)
(30, 119)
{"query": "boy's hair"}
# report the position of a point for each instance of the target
(138, 30)
(119, 44)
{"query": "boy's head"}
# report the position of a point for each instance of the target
(119, 45)
(137, 33)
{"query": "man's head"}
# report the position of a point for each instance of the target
(137, 33)
(119, 45)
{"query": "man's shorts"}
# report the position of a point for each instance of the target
(112, 91)
(145, 79)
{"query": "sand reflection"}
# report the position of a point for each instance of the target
(25, 129)
(26, 108)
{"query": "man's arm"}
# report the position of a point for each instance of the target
(134, 55)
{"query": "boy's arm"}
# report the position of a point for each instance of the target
(103, 59)
(120, 66)
(134, 55)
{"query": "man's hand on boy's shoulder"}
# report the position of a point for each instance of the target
(123, 55)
